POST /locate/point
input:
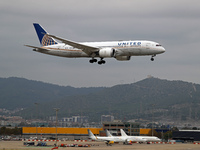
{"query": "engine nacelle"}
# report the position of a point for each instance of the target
(106, 52)
(111, 142)
(123, 58)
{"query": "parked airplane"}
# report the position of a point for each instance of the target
(108, 140)
(120, 50)
(127, 139)
(142, 138)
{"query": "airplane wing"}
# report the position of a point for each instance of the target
(87, 49)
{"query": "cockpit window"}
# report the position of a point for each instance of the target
(158, 45)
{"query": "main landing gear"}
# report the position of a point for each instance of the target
(99, 62)
(93, 60)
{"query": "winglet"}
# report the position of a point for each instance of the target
(44, 39)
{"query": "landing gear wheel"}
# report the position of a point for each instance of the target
(92, 60)
(99, 62)
(152, 57)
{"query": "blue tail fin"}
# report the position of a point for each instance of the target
(44, 39)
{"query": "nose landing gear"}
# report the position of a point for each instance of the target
(152, 57)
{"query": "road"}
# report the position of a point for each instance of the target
(18, 145)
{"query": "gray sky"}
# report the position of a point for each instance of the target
(173, 23)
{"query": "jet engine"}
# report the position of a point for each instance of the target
(109, 143)
(106, 52)
(128, 142)
(123, 58)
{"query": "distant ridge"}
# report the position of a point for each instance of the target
(20, 92)
(177, 100)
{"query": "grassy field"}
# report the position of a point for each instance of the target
(18, 145)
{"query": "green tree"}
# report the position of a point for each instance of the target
(168, 135)
(3, 130)
(17, 131)
(8, 131)
(157, 134)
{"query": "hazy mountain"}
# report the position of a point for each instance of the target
(164, 98)
(168, 99)
(20, 92)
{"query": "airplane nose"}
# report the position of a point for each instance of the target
(162, 50)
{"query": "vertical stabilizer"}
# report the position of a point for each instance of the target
(122, 132)
(43, 38)
(108, 133)
(91, 135)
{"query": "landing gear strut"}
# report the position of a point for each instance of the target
(152, 57)
(108, 144)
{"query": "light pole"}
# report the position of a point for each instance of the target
(36, 118)
(56, 109)
(152, 118)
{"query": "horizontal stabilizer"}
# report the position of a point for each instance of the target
(40, 49)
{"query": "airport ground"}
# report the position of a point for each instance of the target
(18, 145)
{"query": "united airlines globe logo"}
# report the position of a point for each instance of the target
(46, 40)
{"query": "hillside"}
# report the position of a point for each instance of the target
(166, 99)
(23, 93)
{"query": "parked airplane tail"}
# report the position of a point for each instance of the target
(43, 38)
(91, 135)
(108, 133)
(122, 132)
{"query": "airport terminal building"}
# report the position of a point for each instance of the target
(186, 135)
(131, 128)
(79, 133)
(60, 132)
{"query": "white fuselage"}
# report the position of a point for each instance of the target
(133, 139)
(122, 48)
(151, 138)
(114, 139)
(139, 138)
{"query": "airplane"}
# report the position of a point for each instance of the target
(127, 139)
(108, 140)
(139, 138)
(120, 50)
